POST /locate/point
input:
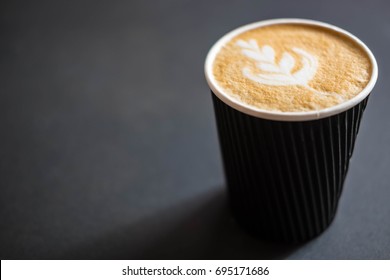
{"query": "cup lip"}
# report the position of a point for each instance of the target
(278, 115)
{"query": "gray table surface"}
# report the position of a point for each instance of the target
(108, 139)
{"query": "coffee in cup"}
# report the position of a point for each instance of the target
(289, 96)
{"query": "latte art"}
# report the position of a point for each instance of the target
(292, 67)
(279, 73)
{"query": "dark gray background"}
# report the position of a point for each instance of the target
(108, 141)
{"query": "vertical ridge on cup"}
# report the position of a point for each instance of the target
(285, 178)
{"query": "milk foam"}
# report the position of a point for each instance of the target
(292, 67)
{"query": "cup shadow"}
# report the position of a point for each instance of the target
(199, 228)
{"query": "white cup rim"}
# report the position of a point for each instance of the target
(278, 115)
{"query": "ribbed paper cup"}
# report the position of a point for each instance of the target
(285, 171)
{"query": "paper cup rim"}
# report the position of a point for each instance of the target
(278, 115)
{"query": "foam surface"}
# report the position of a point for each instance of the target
(292, 67)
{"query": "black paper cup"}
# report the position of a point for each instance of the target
(285, 171)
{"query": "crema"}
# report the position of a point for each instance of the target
(291, 67)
